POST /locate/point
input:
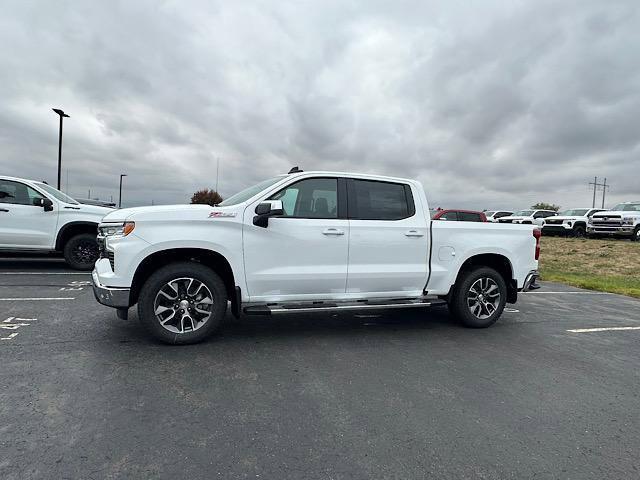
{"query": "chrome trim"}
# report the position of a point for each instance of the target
(529, 279)
(110, 296)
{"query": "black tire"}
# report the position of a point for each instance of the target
(459, 302)
(159, 280)
(578, 231)
(81, 251)
(636, 235)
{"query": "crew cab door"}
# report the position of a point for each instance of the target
(388, 245)
(303, 253)
(22, 224)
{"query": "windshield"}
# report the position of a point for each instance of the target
(627, 207)
(580, 212)
(247, 193)
(57, 194)
(523, 213)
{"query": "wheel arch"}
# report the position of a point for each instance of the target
(72, 229)
(210, 258)
(499, 263)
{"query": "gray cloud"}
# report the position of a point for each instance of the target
(497, 104)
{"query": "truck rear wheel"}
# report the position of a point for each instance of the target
(636, 234)
(478, 297)
(182, 303)
(81, 251)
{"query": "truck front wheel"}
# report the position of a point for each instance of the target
(478, 297)
(636, 234)
(182, 303)
(81, 251)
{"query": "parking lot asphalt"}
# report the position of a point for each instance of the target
(402, 394)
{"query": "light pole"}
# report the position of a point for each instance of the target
(62, 115)
(120, 197)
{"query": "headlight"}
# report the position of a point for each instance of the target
(116, 229)
(627, 221)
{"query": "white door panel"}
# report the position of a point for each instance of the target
(295, 257)
(387, 256)
(25, 226)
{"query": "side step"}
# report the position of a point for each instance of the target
(319, 306)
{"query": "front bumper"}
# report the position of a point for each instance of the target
(626, 230)
(556, 228)
(530, 279)
(110, 296)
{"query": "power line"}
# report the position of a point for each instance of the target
(596, 186)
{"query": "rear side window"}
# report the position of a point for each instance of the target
(469, 217)
(373, 200)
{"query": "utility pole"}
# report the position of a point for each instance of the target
(62, 115)
(594, 183)
(120, 196)
(217, 172)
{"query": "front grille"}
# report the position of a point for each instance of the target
(505, 221)
(554, 222)
(112, 261)
(596, 222)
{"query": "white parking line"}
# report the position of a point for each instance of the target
(34, 298)
(570, 293)
(601, 329)
(44, 273)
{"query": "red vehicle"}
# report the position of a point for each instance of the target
(458, 215)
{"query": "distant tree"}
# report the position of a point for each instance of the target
(546, 206)
(206, 197)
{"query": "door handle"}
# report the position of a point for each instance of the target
(3, 210)
(332, 231)
(413, 233)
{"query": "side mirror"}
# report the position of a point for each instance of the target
(44, 203)
(265, 210)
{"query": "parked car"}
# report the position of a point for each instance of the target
(296, 244)
(458, 215)
(531, 217)
(494, 215)
(572, 222)
(623, 220)
(35, 217)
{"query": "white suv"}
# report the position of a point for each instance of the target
(35, 217)
(623, 220)
(530, 217)
(572, 222)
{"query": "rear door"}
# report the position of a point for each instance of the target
(22, 224)
(388, 244)
(303, 253)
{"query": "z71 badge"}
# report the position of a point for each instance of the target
(222, 214)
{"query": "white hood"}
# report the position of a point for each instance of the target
(167, 211)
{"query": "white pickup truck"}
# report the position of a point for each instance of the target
(307, 242)
(37, 218)
(623, 220)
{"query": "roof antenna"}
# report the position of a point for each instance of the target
(295, 170)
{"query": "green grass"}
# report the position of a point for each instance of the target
(603, 265)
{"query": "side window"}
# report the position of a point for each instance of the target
(549, 214)
(469, 217)
(17, 193)
(502, 214)
(311, 198)
(373, 200)
(449, 216)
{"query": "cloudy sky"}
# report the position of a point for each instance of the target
(488, 103)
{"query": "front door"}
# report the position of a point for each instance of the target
(388, 247)
(22, 224)
(303, 254)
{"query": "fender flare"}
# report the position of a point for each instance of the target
(67, 226)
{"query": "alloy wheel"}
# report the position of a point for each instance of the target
(183, 305)
(483, 298)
